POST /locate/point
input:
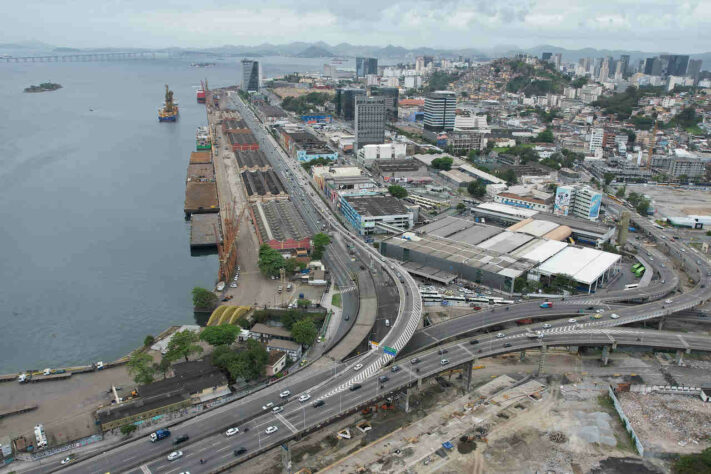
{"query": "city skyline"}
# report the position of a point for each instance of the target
(452, 25)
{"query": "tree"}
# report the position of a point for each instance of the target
(609, 177)
(203, 298)
(148, 341)
(270, 261)
(183, 344)
(545, 136)
(461, 207)
(443, 163)
(507, 175)
(477, 189)
(224, 334)
(163, 366)
(683, 179)
(126, 430)
(303, 303)
(397, 191)
(320, 242)
(621, 192)
(140, 367)
(304, 332)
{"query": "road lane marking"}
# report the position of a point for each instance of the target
(144, 468)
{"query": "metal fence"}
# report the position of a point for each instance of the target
(73, 445)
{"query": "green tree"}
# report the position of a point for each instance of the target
(183, 344)
(477, 189)
(461, 207)
(140, 367)
(304, 332)
(224, 334)
(545, 136)
(608, 178)
(149, 341)
(397, 191)
(303, 303)
(507, 175)
(621, 192)
(694, 463)
(163, 366)
(443, 163)
(203, 298)
(320, 242)
(126, 430)
(683, 179)
(270, 261)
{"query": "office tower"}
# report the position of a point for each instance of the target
(557, 60)
(694, 68)
(365, 66)
(391, 96)
(369, 121)
(251, 75)
(653, 67)
(625, 61)
(420, 64)
(604, 70)
(345, 102)
(546, 56)
(619, 69)
(676, 64)
(439, 111)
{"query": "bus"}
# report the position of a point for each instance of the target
(635, 267)
(631, 286)
(455, 299)
(432, 299)
(640, 271)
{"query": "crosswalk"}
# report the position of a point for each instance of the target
(348, 289)
(286, 423)
(144, 468)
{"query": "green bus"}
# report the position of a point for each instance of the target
(640, 271)
(635, 267)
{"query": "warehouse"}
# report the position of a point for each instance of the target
(589, 267)
(263, 185)
(279, 225)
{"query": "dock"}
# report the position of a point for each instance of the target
(202, 231)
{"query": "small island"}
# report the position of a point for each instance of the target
(44, 87)
(202, 64)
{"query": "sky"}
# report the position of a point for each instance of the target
(645, 25)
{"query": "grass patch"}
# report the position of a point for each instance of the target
(336, 300)
(605, 402)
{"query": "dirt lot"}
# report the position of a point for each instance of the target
(670, 201)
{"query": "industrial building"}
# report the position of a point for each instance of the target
(263, 185)
(279, 225)
(252, 160)
(368, 154)
(376, 214)
(337, 181)
(589, 267)
(304, 147)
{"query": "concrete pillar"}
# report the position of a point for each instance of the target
(661, 323)
(407, 400)
(605, 354)
(542, 359)
(419, 384)
(522, 356)
(469, 368)
(679, 357)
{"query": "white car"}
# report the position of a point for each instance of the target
(572, 320)
(232, 432)
(304, 397)
(285, 394)
(277, 409)
(271, 429)
(500, 335)
(444, 362)
(668, 301)
(67, 460)
(614, 316)
(358, 367)
(546, 326)
(174, 455)
(268, 406)
(233, 285)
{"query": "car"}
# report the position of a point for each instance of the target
(277, 409)
(474, 341)
(394, 368)
(547, 326)
(508, 344)
(415, 360)
(500, 335)
(355, 387)
(67, 460)
(233, 285)
(271, 429)
(572, 320)
(318, 403)
(668, 301)
(268, 406)
(383, 378)
(357, 367)
(614, 316)
(285, 394)
(175, 455)
(236, 277)
(240, 451)
(444, 362)
(181, 439)
(304, 397)
(590, 308)
(596, 316)
(232, 431)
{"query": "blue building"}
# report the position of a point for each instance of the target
(374, 214)
(317, 118)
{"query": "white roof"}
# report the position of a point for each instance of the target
(539, 250)
(503, 208)
(472, 171)
(537, 228)
(585, 265)
(505, 242)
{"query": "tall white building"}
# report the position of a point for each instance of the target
(579, 201)
(596, 138)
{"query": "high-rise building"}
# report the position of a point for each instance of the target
(604, 70)
(580, 201)
(420, 65)
(676, 64)
(653, 67)
(251, 75)
(557, 60)
(440, 109)
(546, 56)
(345, 102)
(597, 136)
(369, 121)
(694, 68)
(391, 96)
(365, 66)
(625, 61)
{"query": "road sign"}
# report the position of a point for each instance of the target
(389, 350)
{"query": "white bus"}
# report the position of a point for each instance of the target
(632, 286)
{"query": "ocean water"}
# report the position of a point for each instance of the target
(94, 249)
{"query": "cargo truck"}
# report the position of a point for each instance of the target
(159, 435)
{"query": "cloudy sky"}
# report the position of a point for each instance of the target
(647, 25)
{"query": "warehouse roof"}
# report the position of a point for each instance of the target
(505, 241)
(585, 265)
(539, 250)
(376, 205)
(537, 228)
(477, 173)
(504, 209)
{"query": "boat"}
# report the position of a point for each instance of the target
(169, 111)
(201, 97)
(221, 286)
(202, 139)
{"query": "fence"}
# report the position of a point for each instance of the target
(626, 421)
(73, 445)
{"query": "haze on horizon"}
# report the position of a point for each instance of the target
(657, 25)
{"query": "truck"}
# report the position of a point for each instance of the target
(159, 435)
(546, 304)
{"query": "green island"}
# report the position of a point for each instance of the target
(44, 87)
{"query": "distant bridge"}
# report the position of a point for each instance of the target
(86, 57)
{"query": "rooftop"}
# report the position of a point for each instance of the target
(371, 206)
(583, 264)
(260, 328)
(279, 220)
